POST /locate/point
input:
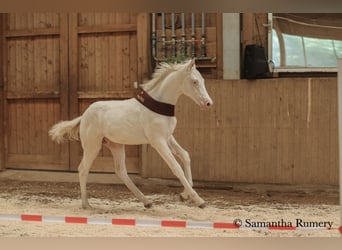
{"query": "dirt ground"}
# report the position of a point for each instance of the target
(225, 203)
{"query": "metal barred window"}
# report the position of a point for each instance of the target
(179, 36)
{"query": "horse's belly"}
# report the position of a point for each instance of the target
(128, 137)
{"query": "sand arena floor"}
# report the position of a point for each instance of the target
(225, 203)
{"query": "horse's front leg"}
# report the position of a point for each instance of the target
(183, 155)
(164, 150)
(118, 152)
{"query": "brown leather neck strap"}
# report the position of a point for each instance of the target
(153, 105)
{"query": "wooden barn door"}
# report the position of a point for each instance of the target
(35, 59)
(54, 67)
(105, 60)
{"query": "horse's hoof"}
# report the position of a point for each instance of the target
(87, 207)
(148, 205)
(202, 205)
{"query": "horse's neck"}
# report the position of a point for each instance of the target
(168, 90)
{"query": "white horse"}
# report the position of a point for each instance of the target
(131, 122)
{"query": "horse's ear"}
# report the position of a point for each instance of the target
(191, 64)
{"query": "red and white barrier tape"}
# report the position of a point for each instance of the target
(147, 222)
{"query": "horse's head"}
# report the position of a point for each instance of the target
(193, 86)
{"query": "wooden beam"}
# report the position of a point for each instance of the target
(107, 28)
(73, 84)
(31, 95)
(64, 77)
(64, 60)
(29, 161)
(144, 47)
(29, 33)
(2, 97)
(219, 46)
(104, 95)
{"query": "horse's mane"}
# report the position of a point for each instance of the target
(163, 69)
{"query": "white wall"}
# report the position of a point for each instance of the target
(231, 46)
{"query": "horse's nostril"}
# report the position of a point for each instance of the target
(208, 104)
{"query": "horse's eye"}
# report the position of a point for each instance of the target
(195, 82)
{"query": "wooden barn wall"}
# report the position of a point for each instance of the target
(262, 131)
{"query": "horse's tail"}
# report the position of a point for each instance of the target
(66, 130)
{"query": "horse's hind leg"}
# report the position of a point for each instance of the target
(91, 148)
(118, 152)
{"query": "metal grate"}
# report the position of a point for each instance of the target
(174, 41)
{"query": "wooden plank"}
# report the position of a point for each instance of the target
(334, 123)
(109, 28)
(104, 63)
(112, 61)
(50, 120)
(52, 64)
(18, 83)
(32, 95)
(37, 55)
(83, 64)
(8, 71)
(11, 112)
(104, 95)
(38, 162)
(90, 85)
(31, 33)
(323, 131)
(300, 126)
(285, 142)
(31, 139)
(97, 85)
(126, 83)
(63, 83)
(119, 44)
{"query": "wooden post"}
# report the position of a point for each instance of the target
(2, 97)
(144, 47)
(73, 84)
(144, 58)
(339, 99)
(64, 74)
(219, 46)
